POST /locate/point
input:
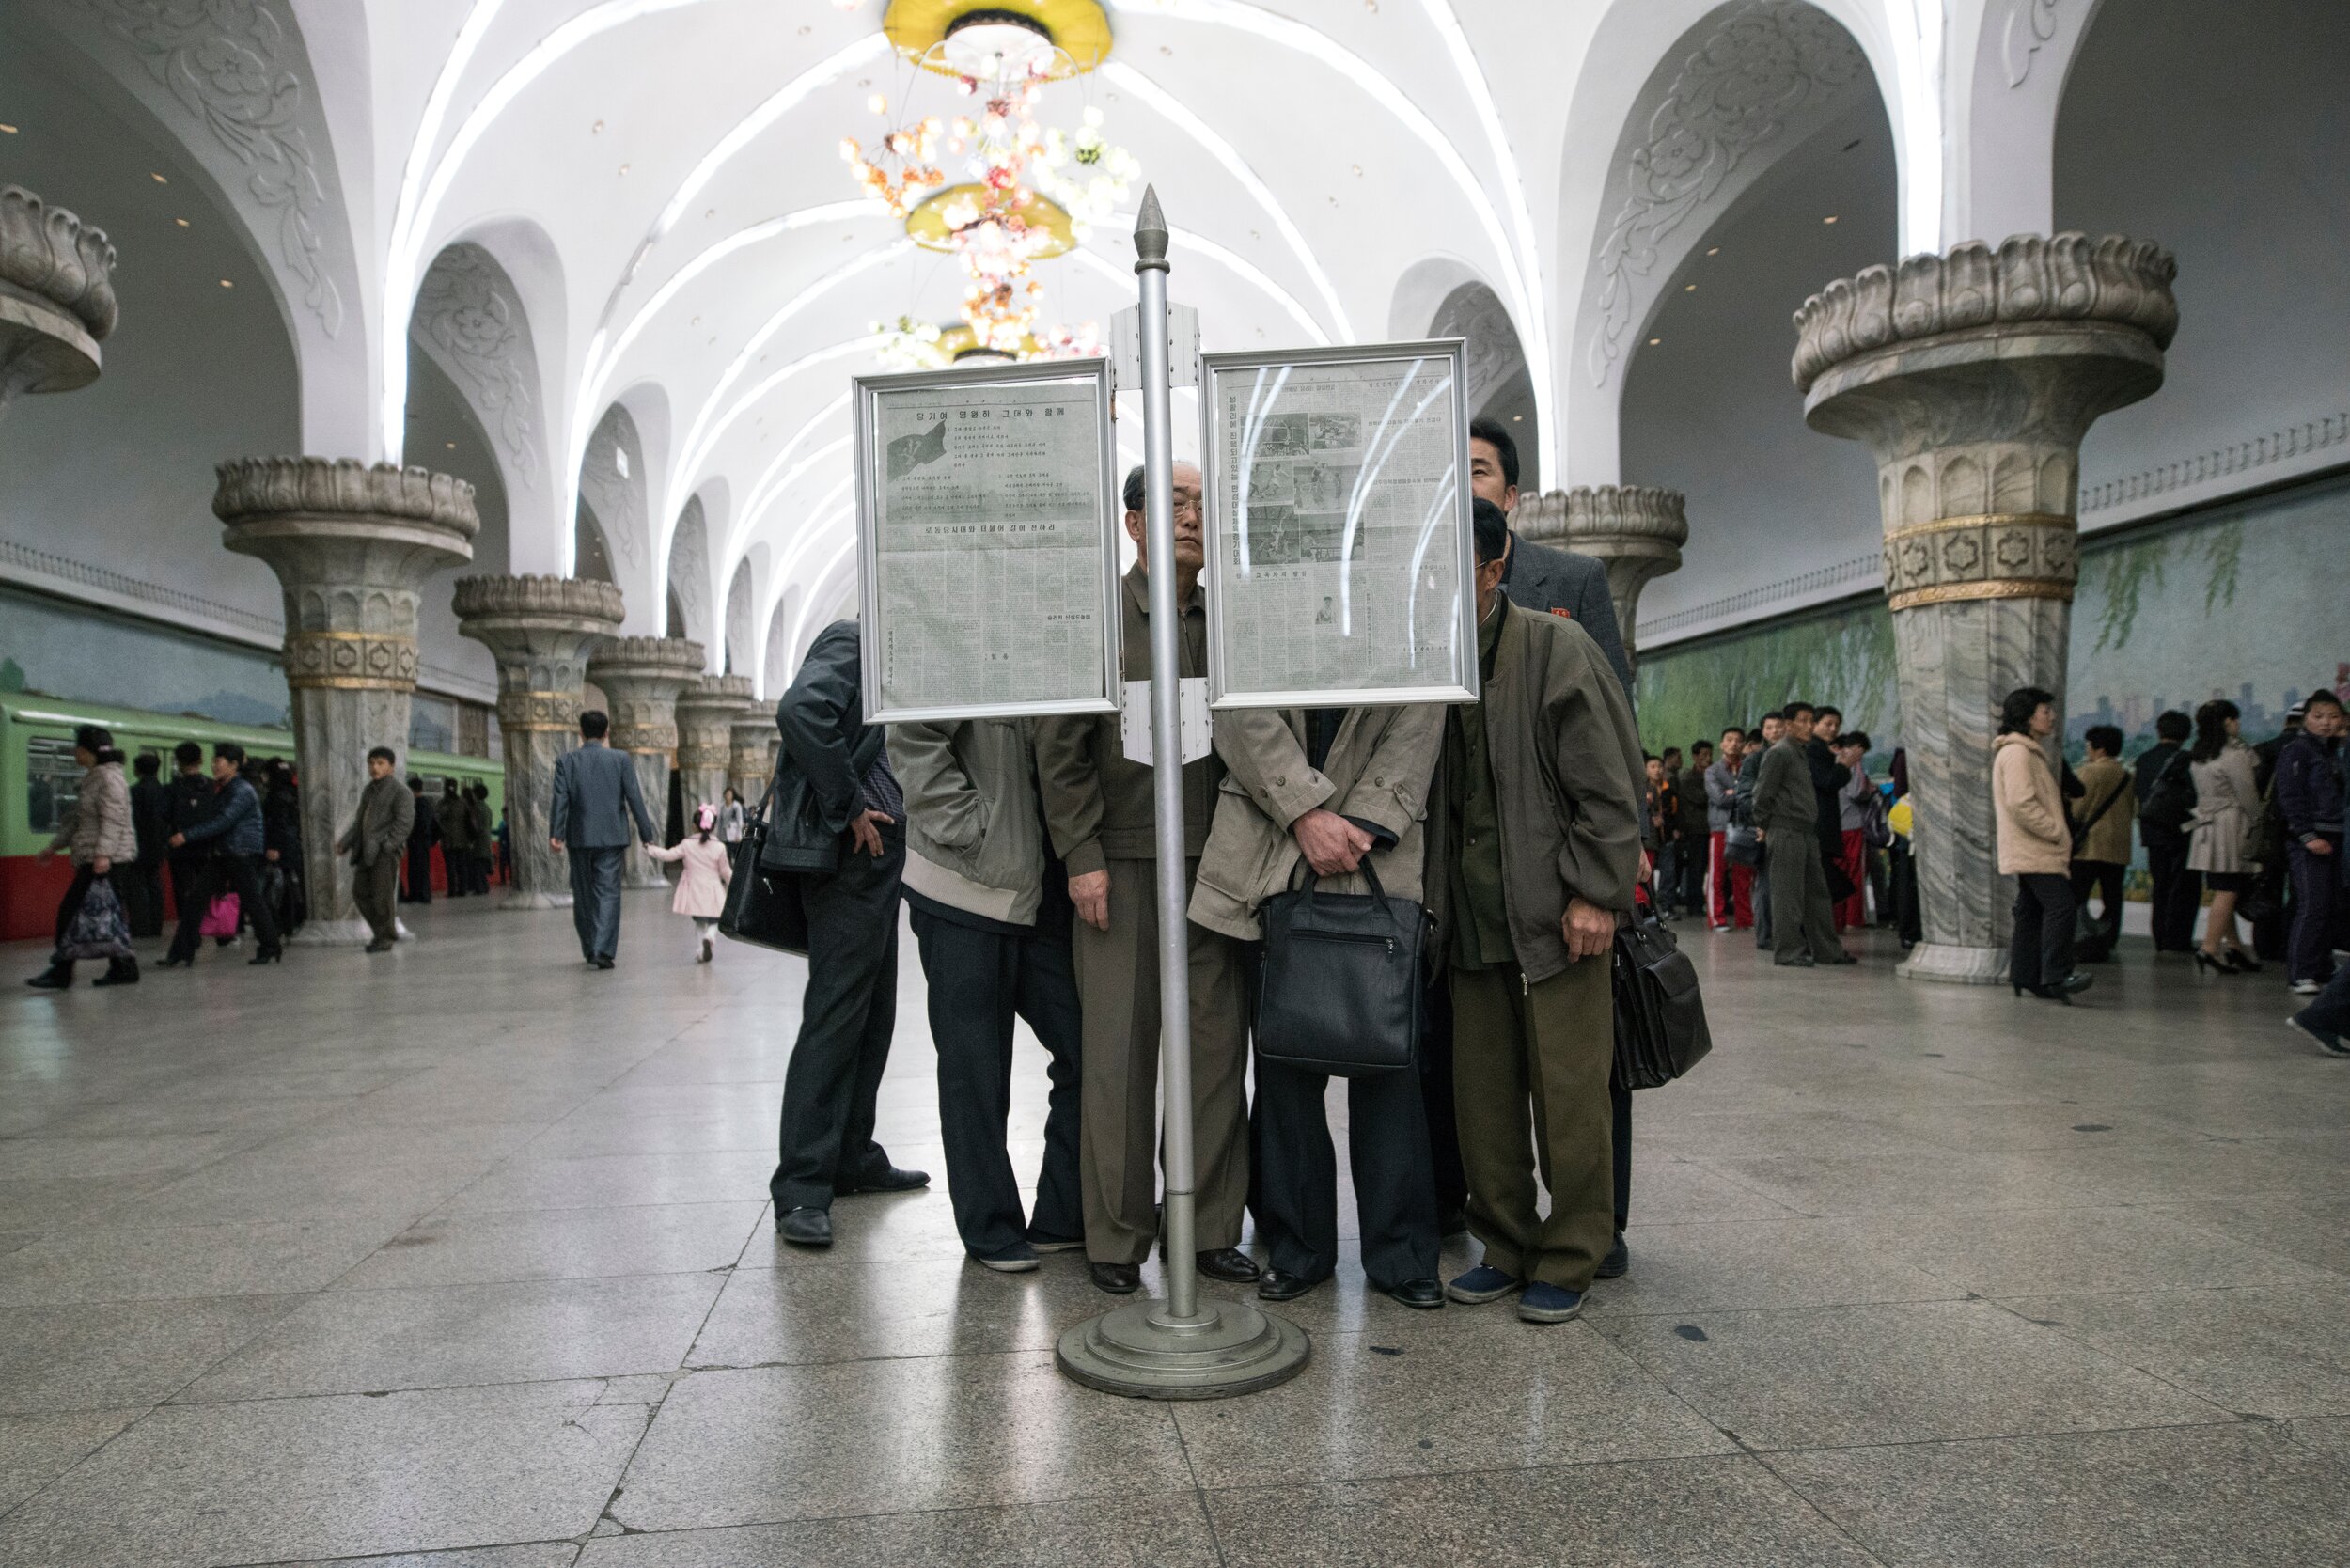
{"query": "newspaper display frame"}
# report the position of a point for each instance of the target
(871, 519)
(1457, 684)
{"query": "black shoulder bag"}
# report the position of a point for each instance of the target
(1660, 1018)
(1339, 990)
(2170, 799)
(763, 903)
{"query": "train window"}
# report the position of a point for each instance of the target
(52, 781)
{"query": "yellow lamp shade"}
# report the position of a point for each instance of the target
(1079, 30)
(927, 225)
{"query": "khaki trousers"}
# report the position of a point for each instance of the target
(1117, 987)
(375, 889)
(1802, 917)
(1549, 1047)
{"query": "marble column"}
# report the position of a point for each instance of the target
(751, 761)
(705, 712)
(353, 547)
(540, 631)
(1972, 378)
(640, 677)
(1635, 530)
(56, 296)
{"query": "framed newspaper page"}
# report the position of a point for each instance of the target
(1337, 512)
(988, 541)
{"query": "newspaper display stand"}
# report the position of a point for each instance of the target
(1339, 564)
(987, 539)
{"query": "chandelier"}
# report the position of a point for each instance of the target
(1025, 192)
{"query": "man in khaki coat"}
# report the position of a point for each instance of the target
(1534, 850)
(375, 840)
(1098, 808)
(1330, 787)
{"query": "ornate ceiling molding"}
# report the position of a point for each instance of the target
(1475, 312)
(470, 318)
(2030, 25)
(237, 67)
(612, 482)
(1767, 61)
(689, 567)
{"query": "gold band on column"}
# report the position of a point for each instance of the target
(349, 661)
(1988, 587)
(2021, 555)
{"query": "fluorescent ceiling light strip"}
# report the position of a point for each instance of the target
(1918, 55)
(764, 496)
(808, 535)
(799, 623)
(401, 269)
(1225, 154)
(1187, 239)
(1525, 311)
(397, 306)
(861, 344)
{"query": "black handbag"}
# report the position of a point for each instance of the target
(1660, 1018)
(765, 906)
(2171, 800)
(1340, 988)
(792, 834)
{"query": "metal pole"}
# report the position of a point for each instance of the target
(1186, 1348)
(1167, 750)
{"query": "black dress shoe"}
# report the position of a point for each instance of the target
(889, 1179)
(1276, 1286)
(1229, 1264)
(273, 956)
(1426, 1294)
(51, 979)
(1619, 1261)
(804, 1227)
(1118, 1278)
(601, 962)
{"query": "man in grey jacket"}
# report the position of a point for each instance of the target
(992, 915)
(596, 796)
(1787, 820)
(376, 839)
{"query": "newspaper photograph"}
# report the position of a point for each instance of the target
(990, 563)
(1337, 527)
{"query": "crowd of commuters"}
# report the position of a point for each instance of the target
(219, 844)
(1026, 853)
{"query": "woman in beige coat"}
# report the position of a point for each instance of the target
(2036, 848)
(2227, 802)
(98, 832)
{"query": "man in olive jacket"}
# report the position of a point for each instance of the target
(1099, 807)
(1331, 787)
(1787, 820)
(375, 840)
(1533, 854)
(991, 916)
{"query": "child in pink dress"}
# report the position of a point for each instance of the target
(701, 893)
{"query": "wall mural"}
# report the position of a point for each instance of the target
(2242, 602)
(80, 653)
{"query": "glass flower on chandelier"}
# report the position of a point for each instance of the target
(1031, 193)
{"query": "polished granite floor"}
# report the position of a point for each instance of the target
(460, 1257)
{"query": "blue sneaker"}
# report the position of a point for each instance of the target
(1481, 1284)
(1549, 1303)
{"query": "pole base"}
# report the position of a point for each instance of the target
(1143, 1351)
(1948, 963)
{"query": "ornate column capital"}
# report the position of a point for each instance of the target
(56, 296)
(540, 631)
(1635, 530)
(642, 677)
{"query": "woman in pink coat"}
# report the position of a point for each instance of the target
(701, 893)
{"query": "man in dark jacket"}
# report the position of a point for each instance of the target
(1695, 836)
(1787, 820)
(1545, 764)
(596, 799)
(422, 833)
(1766, 735)
(824, 1139)
(2177, 892)
(2310, 796)
(151, 818)
(189, 800)
(377, 837)
(1828, 778)
(456, 824)
(232, 833)
(482, 830)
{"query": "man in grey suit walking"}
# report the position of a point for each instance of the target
(596, 795)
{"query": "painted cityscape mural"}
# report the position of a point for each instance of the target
(2249, 601)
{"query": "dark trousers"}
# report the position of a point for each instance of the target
(1802, 919)
(1435, 1096)
(980, 981)
(239, 874)
(187, 870)
(1386, 1137)
(1619, 1114)
(2041, 952)
(419, 874)
(2316, 887)
(826, 1137)
(2330, 1013)
(2104, 878)
(121, 878)
(478, 871)
(2177, 892)
(375, 889)
(145, 909)
(1762, 896)
(1908, 920)
(595, 897)
(1689, 857)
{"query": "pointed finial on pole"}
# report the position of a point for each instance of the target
(1150, 233)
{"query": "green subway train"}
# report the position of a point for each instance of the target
(39, 777)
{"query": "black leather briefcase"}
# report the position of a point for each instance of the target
(1339, 989)
(1660, 1019)
(763, 905)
